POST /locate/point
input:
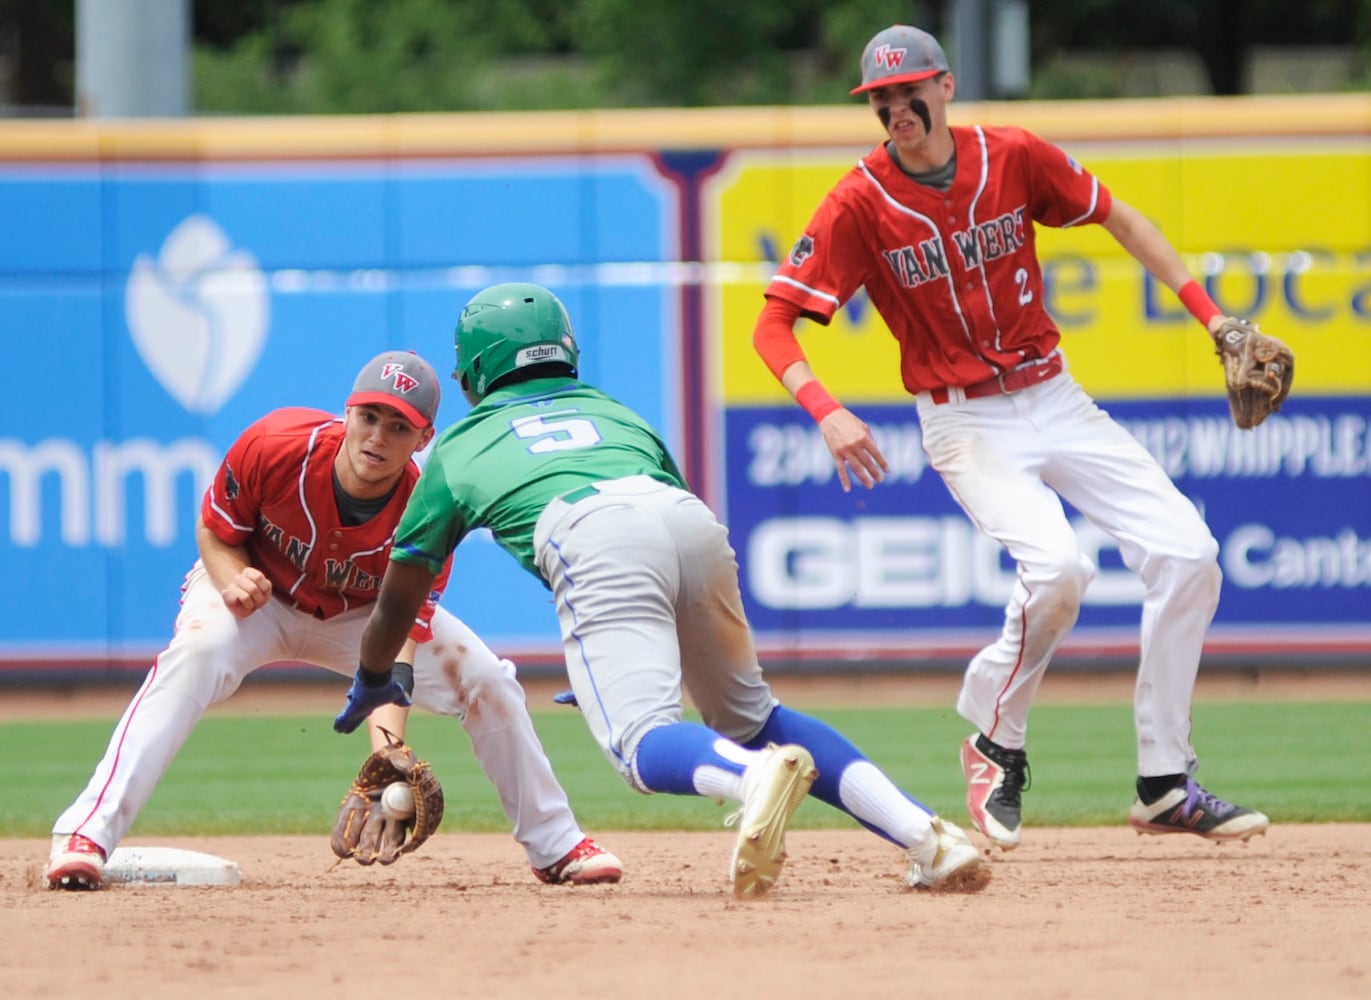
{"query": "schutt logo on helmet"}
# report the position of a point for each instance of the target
(539, 353)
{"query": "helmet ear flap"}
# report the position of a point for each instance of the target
(464, 381)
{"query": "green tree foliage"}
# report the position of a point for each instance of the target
(707, 52)
(349, 56)
(360, 56)
(333, 56)
(1220, 32)
(714, 52)
(37, 52)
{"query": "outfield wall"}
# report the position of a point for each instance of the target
(163, 283)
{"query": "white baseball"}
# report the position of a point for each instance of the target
(397, 801)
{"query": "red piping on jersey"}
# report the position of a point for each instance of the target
(114, 768)
(951, 283)
(980, 263)
(303, 491)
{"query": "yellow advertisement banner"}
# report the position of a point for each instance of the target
(1280, 230)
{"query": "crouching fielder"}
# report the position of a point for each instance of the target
(293, 538)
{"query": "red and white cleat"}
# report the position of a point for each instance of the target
(76, 862)
(585, 864)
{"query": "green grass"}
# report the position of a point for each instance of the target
(286, 774)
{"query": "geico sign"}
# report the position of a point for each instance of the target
(900, 562)
(92, 490)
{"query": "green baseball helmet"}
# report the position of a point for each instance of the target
(508, 327)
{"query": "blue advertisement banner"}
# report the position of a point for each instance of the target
(1289, 503)
(152, 312)
(164, 284)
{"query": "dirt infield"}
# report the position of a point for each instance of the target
(1072, 914)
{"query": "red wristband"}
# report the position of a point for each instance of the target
(815, 398)
(1197, 300)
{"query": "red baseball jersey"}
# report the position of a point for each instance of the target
(273, 495)
(953, 273)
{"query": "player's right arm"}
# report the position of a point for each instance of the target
(243, 586)
(848, 437)
(228, 516)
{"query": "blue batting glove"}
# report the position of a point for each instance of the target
(368, 692)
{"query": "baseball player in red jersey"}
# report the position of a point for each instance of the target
(294, 536)
(937, 224)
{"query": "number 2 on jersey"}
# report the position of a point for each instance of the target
(560, 431)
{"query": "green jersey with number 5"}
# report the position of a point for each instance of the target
(517, 450)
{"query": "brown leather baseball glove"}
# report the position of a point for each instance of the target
(1257, 370)
(363, 831)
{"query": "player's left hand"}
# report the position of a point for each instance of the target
(364, 829)
(364, 698)
(1258, 370)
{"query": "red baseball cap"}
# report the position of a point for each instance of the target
(900, 54)
(400, 379)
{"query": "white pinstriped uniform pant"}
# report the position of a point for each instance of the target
(210, 654)
(1007, 459)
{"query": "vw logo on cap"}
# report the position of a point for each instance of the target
(900, 54)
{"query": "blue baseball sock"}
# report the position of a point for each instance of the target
(869, 790)
(669, 756)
